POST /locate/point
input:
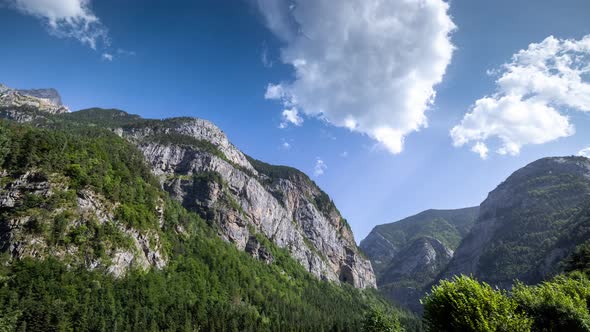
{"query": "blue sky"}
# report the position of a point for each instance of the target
(205, 59)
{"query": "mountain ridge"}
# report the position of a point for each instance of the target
(195, 162)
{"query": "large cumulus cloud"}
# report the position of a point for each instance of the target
(367, 65)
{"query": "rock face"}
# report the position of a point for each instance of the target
(528, 224)
(22, 235)
(199, 167)
(409, 254)
(48, 94)
(43, 100)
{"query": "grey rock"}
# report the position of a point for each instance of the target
(15, 101)
(243, 201)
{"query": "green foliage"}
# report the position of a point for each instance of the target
(557, 305)
(89, 158)
(579, 260)
(377, 321)
(463, 304)
(549, 211)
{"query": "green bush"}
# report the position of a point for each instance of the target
(557, 305)
(464, 304)
(376, 321)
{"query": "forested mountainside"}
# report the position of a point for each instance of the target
(524, 231)
(113, 222)
(409, 254)
(528, 224)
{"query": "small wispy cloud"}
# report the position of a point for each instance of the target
(291, 116)
(121, 51)
(320, 167)
(344, 154)
(585, 152)
(481, 149)
(66, 19)
(107, 57)
(265, 57)
(286, 145)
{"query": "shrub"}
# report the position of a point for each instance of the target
(464, 304)
(558, 305)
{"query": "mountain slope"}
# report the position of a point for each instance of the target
(409, 254)
(198, 166)
(90, 239)
(448, 226)
(528, 224)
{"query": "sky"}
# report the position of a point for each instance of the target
(391, 106)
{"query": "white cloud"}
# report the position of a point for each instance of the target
(121, 51)
(532, 90)
(264, 57)
(585, 152)
(66, 19)
(291, 116)
(480, 149)
(286, 145)
(367, 65)
(107, 57)
(344, 154)
(320, 167)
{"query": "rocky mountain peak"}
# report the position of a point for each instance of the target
(43, 100)
(50, 94)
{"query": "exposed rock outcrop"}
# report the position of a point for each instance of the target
(24, 230)
(42, 100)
(212, 177)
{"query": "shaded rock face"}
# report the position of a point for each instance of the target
(48, 94)
(408, 255)
(241, 200)
(528, 224)
(44, 100)
(25, 233)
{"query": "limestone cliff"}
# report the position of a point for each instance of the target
(241, 196)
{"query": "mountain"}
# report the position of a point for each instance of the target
(198, 166)
(408, 255)
(36, 103)
(528, 224)
(110, 221)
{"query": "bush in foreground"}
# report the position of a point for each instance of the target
(464, 304)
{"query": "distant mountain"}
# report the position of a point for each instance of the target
(528, 224)
(49, 94)
(36, 103)
(408, 255)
